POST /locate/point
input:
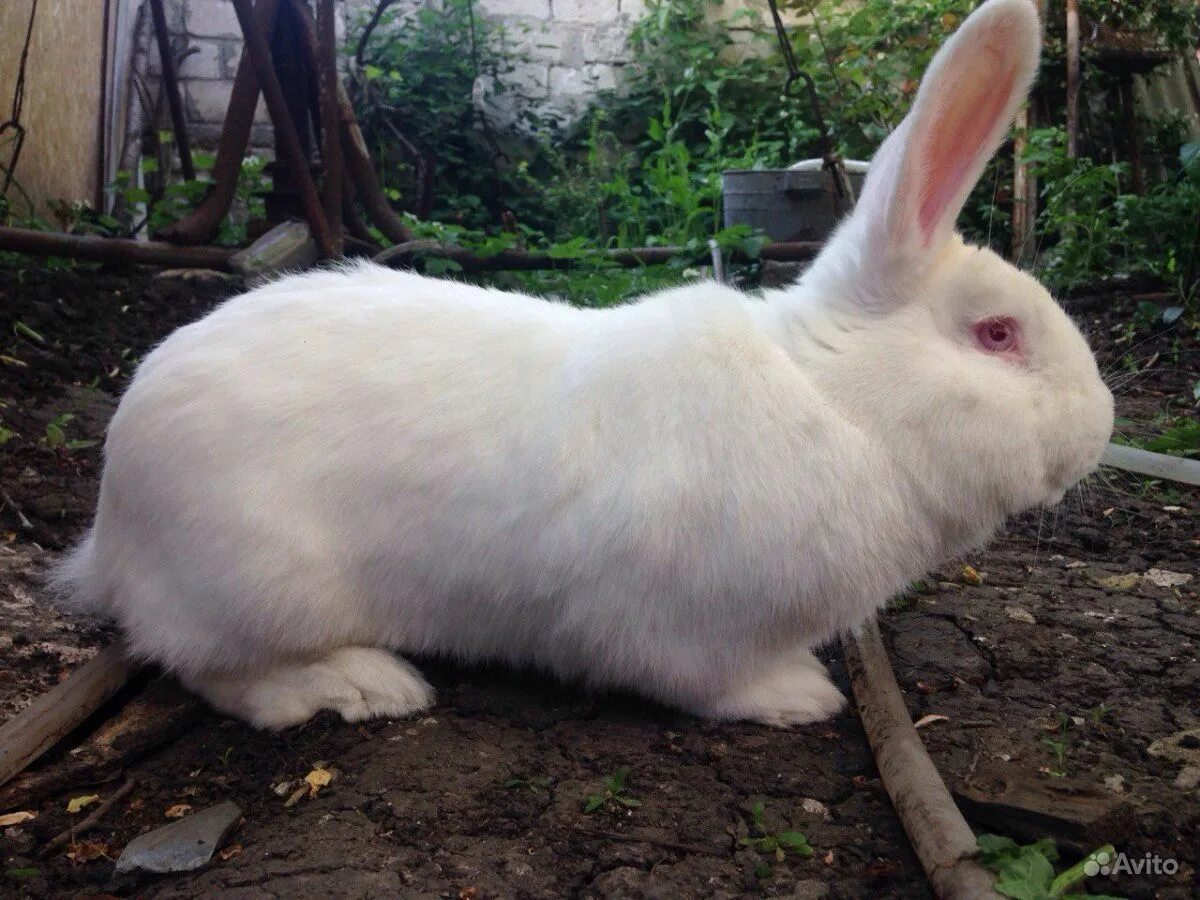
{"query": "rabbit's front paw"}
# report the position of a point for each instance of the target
(357, 682)
(795, 693)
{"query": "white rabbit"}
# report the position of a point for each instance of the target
(680, 496)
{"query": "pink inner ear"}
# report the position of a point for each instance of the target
(958, 134)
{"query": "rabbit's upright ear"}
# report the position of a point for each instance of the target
(921, 176)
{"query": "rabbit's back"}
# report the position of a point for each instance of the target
(376, 458)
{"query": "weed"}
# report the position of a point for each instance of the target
(1060, 746)
(535, 785)
(775, 846)
(55, 436)
(614, 794)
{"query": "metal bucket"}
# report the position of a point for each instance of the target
(796, 204)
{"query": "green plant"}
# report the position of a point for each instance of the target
(614, 793)
(773, 845)
(1059, 746)
(419, 77)
(55, 436)
(1027, 872)
(531, 783)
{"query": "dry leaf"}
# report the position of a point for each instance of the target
(299, 793)
(1020, 615)
(230, 852)
(828, 858)
(86, 851)
(1120, 582)
(78, 804)
(317, 779)
(178, 811)
(971, 576)
(16, 818)
(929, 720)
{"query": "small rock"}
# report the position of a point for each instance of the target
(1115, 783)
(1165, 579)
(288, 247)
(816, 807)
(181, 846)
(1188, 778)
(1017, 614)
(1183, 746)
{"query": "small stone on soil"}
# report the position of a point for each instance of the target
(181, 846)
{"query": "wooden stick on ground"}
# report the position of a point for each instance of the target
(943, 841)
(52, 716)
(91, 821)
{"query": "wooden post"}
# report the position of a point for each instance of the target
(285, 129)
(331, 143)
(1072, 78)
(1021, 218)
(171, 86)
(1132, 138)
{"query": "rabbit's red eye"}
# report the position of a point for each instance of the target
(998, 335)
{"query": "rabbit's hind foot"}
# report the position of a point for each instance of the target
(357, 682)
(795, 692)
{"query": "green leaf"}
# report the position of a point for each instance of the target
(55, 436)
(1027, 877)
(795, 842)
(631, 802)
(25, 331)
(6, 435)
(594, 802)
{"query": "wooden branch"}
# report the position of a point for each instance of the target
(381, 6)
(203, 223)
(153, 717)
(90, 822)
(171, 87)
(331, 144)
(42, 724)
(285, 128)
(943, 841)
(113, 250)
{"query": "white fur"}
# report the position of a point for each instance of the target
(678, 496)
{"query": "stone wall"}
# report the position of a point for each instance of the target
(572, 49)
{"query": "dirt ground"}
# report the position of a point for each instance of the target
(1049, 672)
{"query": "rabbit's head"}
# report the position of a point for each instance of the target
(962, 363)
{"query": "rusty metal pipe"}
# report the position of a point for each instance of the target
(285, 128)
(113, 250)
(403, 255)
(171, 85)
